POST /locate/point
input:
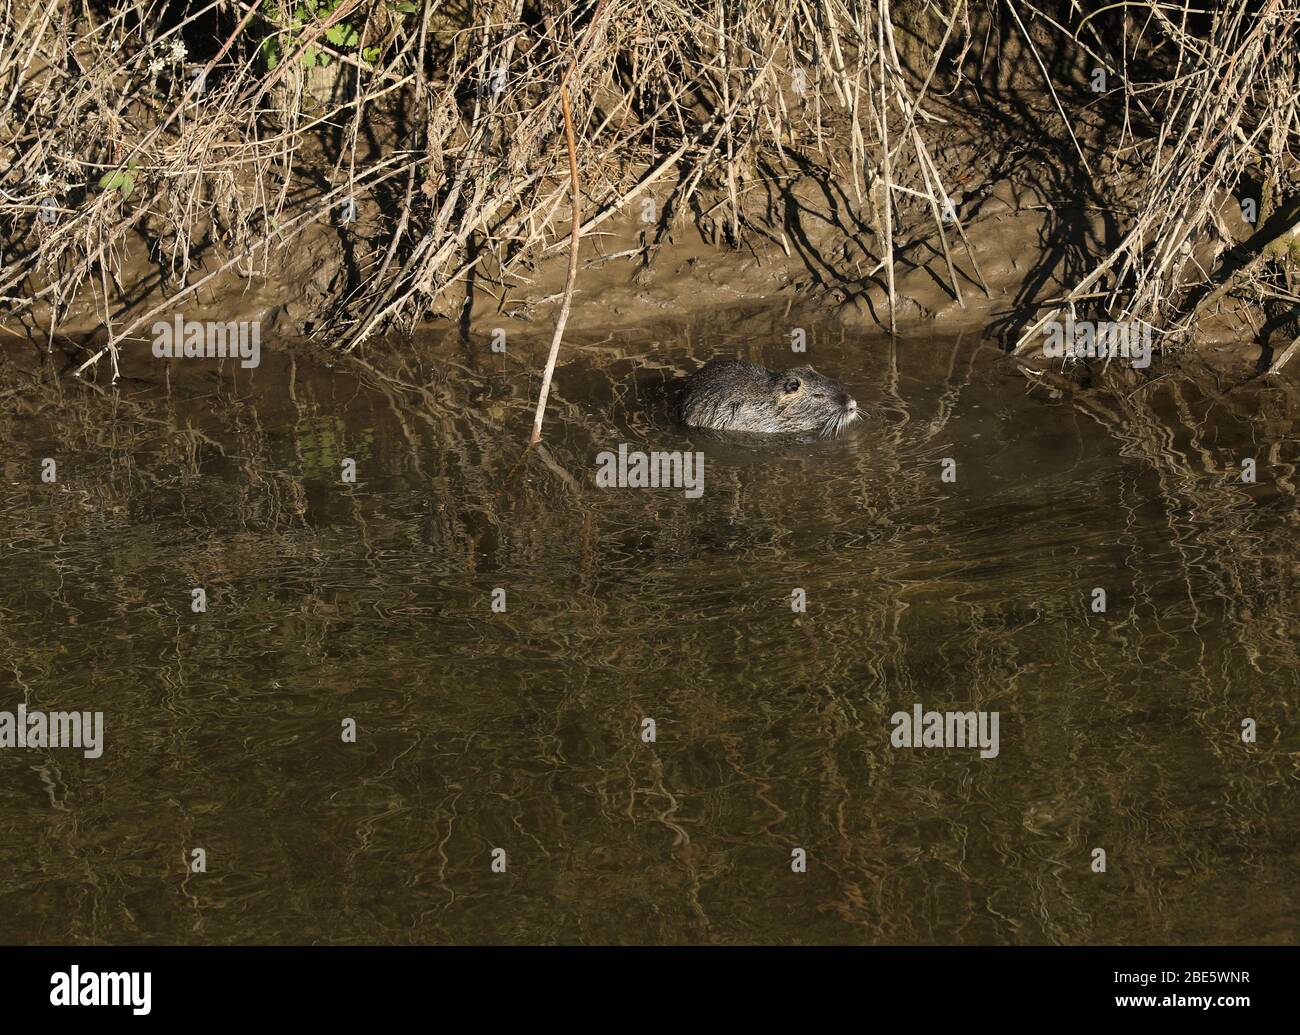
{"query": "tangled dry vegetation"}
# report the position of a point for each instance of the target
(215, 136)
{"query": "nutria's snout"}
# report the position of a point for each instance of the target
(732, 395)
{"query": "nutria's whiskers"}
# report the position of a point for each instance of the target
(837, 423)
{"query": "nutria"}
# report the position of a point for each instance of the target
(732, 395)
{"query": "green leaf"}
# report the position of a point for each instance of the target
(119, 180)
(406, 7)
(270, 52)
(342, 35)
(370, 54)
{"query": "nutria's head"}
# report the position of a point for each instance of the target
(804, 400)
(729, 395)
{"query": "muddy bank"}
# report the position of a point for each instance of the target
(810, 270)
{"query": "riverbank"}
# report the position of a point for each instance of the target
(884, 168)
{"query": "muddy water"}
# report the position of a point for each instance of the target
(523, 730)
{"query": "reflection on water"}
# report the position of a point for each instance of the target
(522, 730)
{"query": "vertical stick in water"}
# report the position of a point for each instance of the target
(573, 268)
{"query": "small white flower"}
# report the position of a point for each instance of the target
(44, 179)
(178, 50)
(157, 65)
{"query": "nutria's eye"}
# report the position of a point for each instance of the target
(792, 385)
